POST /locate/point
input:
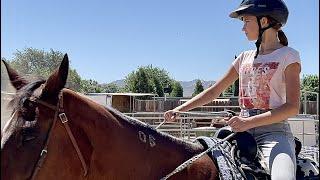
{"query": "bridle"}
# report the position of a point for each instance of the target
(59, 112)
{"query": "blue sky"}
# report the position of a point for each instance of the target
(106, 40)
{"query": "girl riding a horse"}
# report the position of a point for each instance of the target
(269, 85)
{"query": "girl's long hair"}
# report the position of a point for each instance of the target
(282, 37)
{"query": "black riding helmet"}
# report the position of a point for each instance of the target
(275, 9)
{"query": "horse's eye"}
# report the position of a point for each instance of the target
(28, 103)
(28, 138)
(28, 134)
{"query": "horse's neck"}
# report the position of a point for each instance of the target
(171, 152)
(130, 138)
(160, 151)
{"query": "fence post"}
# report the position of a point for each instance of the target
(318, 105)
(305, 103)
(154, 103)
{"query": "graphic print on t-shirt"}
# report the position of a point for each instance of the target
(255, 84)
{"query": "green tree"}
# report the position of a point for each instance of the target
(162, 77)
(236, 88)
(177, 90)
(90, 86)
(158, 88)
(74, 80)
(34, 62)
(233, 89)
(148, 79)
(142, 82)
(229, 89)
(310, 83)
(110, 88)
(38, 63)
(198, 88)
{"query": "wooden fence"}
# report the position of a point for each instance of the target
(154, 106)
(215, 106)
(311, 107)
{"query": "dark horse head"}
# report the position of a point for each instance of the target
(56, 133)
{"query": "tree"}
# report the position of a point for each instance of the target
(233, 89)
(158, 88)
(229, 89)
(90, 86)
(236, 88)
(310, 83)
(141, 82)
(161, 75)
(198, 88)
(38, 63)
(31, 61)
(110, 88)
(148, 79)
(74, 80)
(177, 90)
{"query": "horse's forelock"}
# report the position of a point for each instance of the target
(18, 103)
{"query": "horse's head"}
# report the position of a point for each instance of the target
(25, 133)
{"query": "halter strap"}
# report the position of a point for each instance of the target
(44, 151)
(59, 111)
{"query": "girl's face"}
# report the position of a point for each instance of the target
(250, 27)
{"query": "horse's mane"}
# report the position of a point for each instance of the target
(18, 103)
(139, 125)
(150, 130)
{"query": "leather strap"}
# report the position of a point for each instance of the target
(64, 121)
(58, 108)
(44, 151)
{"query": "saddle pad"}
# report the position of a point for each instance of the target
(228, 169)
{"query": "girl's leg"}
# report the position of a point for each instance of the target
(280, 157)
(277, 145)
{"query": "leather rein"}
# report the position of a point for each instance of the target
(59, 112)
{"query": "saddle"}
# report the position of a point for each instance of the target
(221, 156)
(247, 155)
(246, 144)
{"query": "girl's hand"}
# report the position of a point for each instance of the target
(171, 115)
(239, 124)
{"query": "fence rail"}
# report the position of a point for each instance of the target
(189, 126)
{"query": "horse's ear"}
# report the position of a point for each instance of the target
(16, 80)
(57, 79)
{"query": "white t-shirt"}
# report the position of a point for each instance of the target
(262, 80)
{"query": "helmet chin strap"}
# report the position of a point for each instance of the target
(261, 31)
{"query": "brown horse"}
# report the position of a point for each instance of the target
(90, 142)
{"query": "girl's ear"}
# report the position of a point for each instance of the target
(264, 22)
